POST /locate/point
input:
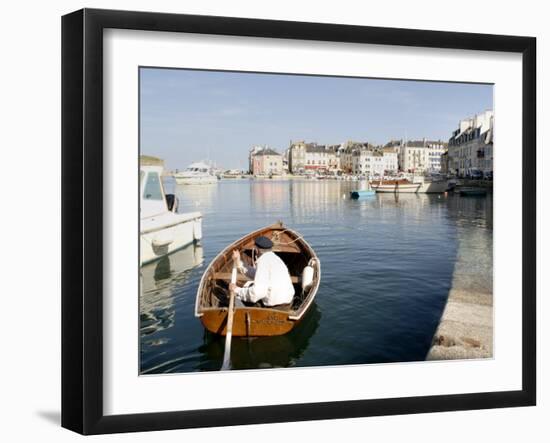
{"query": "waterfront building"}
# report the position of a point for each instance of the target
(413, 156)
(393, 148)
(390, 159)
(471, 145)
(418, 155)
(348, 153)
(436, 149)
(444, 163)
(286, 154)
(318, 157)
(266, 161)
(334, 158)
(251, 153)
(346, 156)
(394, 145)
(311, 156)
(297, 157)
(367, 162)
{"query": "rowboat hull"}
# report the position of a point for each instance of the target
(211, 302)
(249, 322)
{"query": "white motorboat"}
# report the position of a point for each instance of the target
(196, 174)
(162, 229)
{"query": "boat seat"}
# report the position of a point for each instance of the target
(286, 248)
(280, 248)
(241, 278)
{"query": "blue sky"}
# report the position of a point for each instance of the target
(188, 115)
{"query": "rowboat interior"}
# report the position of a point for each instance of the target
(213, 293)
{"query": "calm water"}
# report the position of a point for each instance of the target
(387, 267)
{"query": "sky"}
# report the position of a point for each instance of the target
(191, 115)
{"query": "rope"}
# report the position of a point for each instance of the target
(277, 238)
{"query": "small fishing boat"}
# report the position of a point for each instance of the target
(211, 304)
(472, 192)
(362, 193)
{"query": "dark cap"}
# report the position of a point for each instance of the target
(263, 243)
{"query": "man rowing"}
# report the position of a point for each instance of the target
(270, 284)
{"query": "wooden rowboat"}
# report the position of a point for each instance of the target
(212, 296)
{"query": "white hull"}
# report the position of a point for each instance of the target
(161, 235)
(437, 187)
(204, 180)
(397, 189)
(413, 188)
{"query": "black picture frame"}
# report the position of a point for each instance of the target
(82, 219)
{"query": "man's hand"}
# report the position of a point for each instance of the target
(233, 287)
(236, 255)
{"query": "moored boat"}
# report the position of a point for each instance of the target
(395, 186)
(211, 304)
(162, 229)
(196, 174)
(418, 185)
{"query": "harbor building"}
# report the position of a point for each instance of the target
(334, 158)
(311, 156)
(251, 153)
(390, 159)
(394, 145)
(444, 163)
(368, 162)
(346, 156)
(367, 159)
(413, 156)
(267, 161)
(436, 149)
(297, 157)
(471, 146)
(350, 153)
(319, 157)
(286, 154)
(418, 155)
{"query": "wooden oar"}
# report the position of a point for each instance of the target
(229, 331)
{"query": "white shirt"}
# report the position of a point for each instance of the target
(272, 283)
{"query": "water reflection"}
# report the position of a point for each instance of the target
(472, 211)
(262, 352)
(268, 195)
(158, 282)
(197, 196)
(317, 200)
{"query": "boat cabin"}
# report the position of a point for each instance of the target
(152, 195)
